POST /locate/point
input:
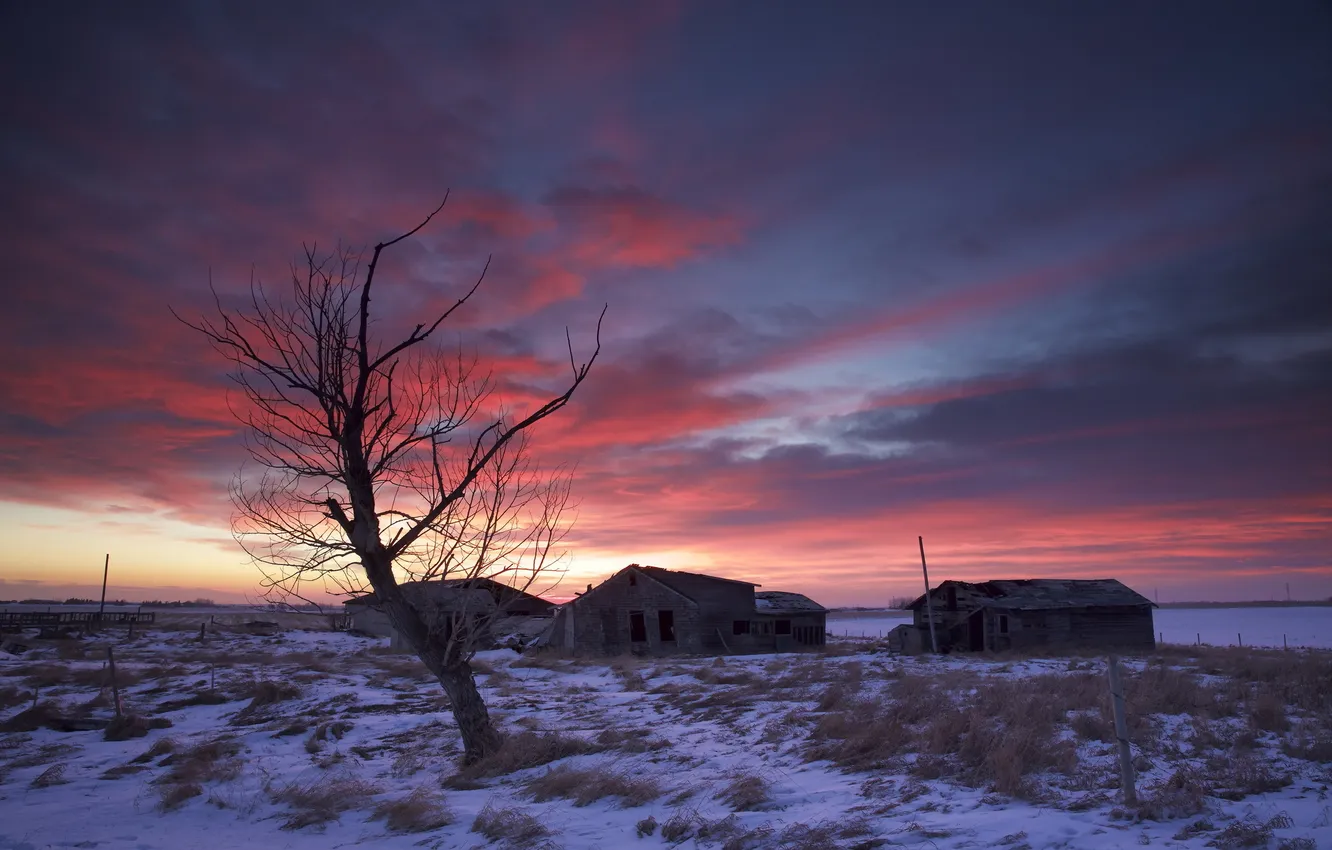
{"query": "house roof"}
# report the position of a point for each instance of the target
(688, 585)
(1045, 593)
(454, 591)
(783, 602)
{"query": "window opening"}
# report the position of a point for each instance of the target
(637, 627)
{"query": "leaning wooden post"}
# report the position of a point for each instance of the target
(929, 603)
(115, 686)
(1126, 778)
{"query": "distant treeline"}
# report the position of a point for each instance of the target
(147, 603)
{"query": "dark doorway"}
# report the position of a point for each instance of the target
(637, 627)
(783, 627)
(976, 632)
(666, 622)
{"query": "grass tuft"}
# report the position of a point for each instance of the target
(588, 785)
(509, 824)
(420, 811)
(323, 799)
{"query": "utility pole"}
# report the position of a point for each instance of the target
(929, 603)
(106, 569)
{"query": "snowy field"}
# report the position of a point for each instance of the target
(1308, 627)
(323, 740)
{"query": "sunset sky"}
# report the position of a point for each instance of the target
(1047, 283)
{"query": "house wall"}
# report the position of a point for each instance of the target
(808, 629)
(721, 604)
(1119, 627)
(369, 620)
(601, 618)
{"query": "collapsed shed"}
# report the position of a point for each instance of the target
(1008, 614)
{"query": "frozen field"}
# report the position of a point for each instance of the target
(322, 740)
(1310, 627)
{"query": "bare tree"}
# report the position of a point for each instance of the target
(387, 462)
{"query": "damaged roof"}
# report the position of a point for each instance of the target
(688, 585)
(1040, 593)
(783, 602)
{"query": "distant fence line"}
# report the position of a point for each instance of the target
(25, 619)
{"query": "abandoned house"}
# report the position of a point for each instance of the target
(651, 610)
(474, 601)
(1029, 614)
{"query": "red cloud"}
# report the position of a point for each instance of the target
(631, 228)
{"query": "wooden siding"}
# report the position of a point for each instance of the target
(994, 629)
(601, 617)
(705, 611)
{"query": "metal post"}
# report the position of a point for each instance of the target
(1126, 778)
(929, 603)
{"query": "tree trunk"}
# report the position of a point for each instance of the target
(480, 738)
(445, 660)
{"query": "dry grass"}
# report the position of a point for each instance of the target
(747, 792)
(630, 673)
(852, 832)
(53, 775)
(630, 740)
(1250, 832)
(521, 751)
(174, 796)
(264, 694)
(510, 825)
(43, 715)
(217, 760)
(323, 799)
(11, 696)
(588, 785)
(125, 726)
(1236, 777)
(421, 811)
(994, 733)
(160, 747)
(1182, 795)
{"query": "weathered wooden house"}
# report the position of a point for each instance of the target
(1030, 614)
(650, 610)
(474, 603)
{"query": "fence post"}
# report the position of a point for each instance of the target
(115, 686)
(1126, 778)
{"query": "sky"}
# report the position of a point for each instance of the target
(1047, 284)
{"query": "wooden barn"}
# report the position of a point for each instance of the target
(1031, 614)
(472, 600)
(650, 610)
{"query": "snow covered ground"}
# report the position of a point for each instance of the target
(1307, 627)
(322, 740)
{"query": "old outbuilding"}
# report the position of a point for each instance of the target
(650, 610)
(1030, 614)
(478, 604)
